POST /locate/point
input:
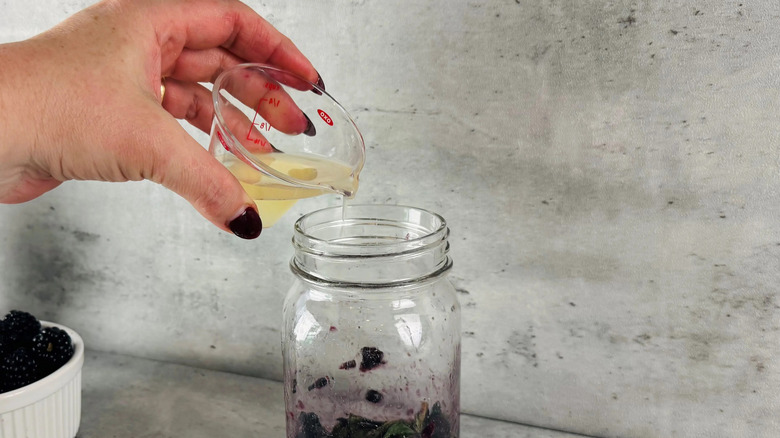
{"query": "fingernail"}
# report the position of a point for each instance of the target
(311, 131)
(247, 225)
(319, 84)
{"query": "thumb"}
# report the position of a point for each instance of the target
(186, 168)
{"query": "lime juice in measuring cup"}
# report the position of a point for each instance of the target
(283, 137)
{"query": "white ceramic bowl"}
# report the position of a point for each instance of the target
(50, 407)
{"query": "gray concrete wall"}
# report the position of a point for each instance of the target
(609, 171)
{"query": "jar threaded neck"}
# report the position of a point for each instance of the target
(370, 246)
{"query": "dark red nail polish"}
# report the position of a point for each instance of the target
(320, 84)
(311, 131)
(248, 225)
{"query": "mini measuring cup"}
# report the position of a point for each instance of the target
(283, 137)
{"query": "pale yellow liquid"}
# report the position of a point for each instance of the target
(273, 198)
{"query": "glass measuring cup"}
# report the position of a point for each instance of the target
(283, 137)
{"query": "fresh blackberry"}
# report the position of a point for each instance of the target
(18, 369)
(20, 327)
(374, 396)
(52, 348)
(372, 358)
(5, 344)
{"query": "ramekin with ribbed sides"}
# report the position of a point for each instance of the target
(50, 407)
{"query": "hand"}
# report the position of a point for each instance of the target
(83, 100)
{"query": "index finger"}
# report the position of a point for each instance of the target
(232, 25)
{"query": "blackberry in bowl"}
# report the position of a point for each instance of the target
(40, 378)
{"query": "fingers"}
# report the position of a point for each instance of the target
(206, 65)
(235, 27)
(179, 163)
(202, 65)
(190, 102)
(264, 97)
(25, 188)
(271, 105)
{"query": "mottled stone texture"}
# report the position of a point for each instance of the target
(609, 171)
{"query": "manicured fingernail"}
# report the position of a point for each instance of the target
(319, 84)
(247, 225)
(311, 131)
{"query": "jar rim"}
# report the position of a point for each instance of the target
(370, 246)
(313, 232)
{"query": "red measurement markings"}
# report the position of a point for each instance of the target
(262, 126)
(271, 86)
(222, 140)
(325, 117)
(254, 123)
(273, 101)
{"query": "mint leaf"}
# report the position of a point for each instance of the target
(400, 430)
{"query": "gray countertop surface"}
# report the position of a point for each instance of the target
(125, 396)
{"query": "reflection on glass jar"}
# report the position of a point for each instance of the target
(371, 339)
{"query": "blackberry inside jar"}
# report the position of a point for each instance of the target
(371, 340)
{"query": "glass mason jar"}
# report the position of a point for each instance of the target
(371, 338)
